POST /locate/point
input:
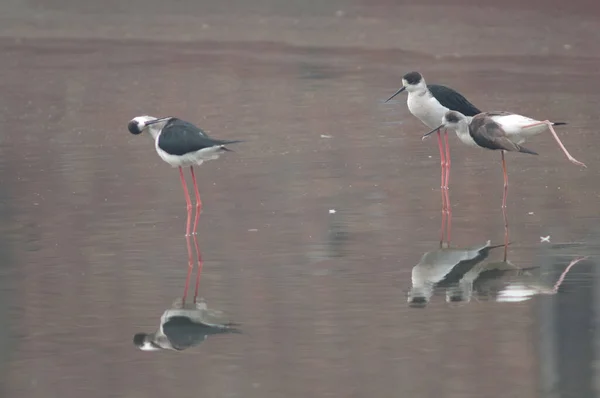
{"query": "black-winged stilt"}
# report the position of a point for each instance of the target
(429, 103)
(502, 131)
(182, 328)
(181, 144)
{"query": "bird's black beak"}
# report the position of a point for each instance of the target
(396, 93)
(162, 119)
(432, 131)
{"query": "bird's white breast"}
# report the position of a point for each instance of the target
(431, 113)
(426, 108)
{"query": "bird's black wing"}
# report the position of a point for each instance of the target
(183, 333)
(179, 137)
(492, 279)
(459, 270)
(488, 134)
(178, 123)
(453, 100)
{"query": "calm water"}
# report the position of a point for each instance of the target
(311, 228)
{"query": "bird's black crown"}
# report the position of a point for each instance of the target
(134, 128)
(139, 338)
(413, 77)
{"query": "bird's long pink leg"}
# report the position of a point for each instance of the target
(448, 163)
(195, 234)
(447, 189)
(187, 235)
(443, 165)
(504, 206)
(560, 144)
(200, 265)
(188, 201)
(198, 201)
(564, 273)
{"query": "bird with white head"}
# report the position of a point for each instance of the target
(181, 144)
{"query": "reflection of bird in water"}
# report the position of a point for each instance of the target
(505, 282)
(443, 268)
(182, 328)
(529, 285)
(486, 280)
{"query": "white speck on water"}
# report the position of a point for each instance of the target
(253, 230)
(325, 136)
(530, 213)
(545, 239)
(331, 211)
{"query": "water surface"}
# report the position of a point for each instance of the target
(94, 221)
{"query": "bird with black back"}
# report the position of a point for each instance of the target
(182, 144)
(503, 131)
(429, 103)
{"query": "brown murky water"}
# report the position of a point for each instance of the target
(93, 220)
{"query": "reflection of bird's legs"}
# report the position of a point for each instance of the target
(195, 233)
(200, 264)
(564, 273)
(447, 188)
(443, 165)
(504, 206)
(187, 234)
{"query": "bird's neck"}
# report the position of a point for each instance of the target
(154, 131)
(462, 131)
(419, 91)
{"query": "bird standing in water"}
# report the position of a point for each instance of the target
(503, 131)
(429, 103)
(181, 144)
